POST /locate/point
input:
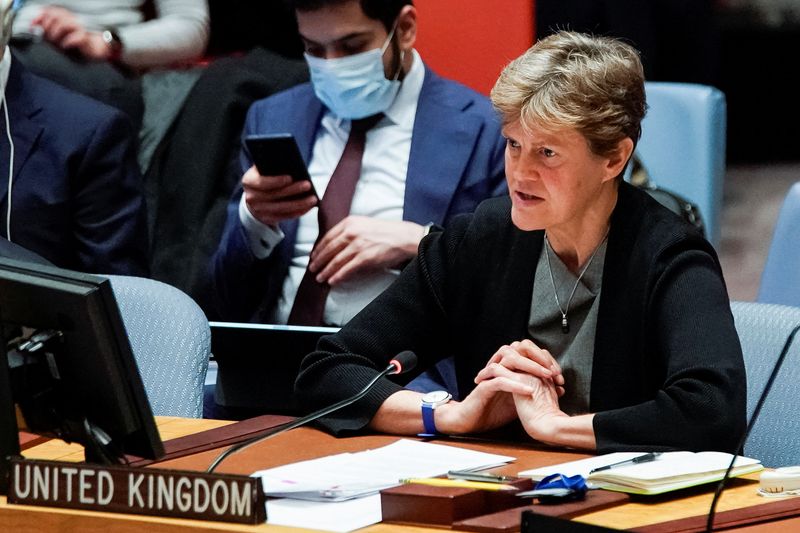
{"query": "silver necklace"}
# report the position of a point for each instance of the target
(564, 312)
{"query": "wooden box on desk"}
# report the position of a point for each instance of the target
(509, 520)
(427, 505)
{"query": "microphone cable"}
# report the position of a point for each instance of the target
(4, 103)
(756, 411)
(403, 362)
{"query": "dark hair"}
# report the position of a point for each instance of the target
(384, 10)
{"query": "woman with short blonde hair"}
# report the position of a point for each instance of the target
(578, 306)
(592, 84)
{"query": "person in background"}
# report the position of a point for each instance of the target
(189, 184)
(97, 47)
(194, 180)
(433, 150)
(72, 188)
(577, 306)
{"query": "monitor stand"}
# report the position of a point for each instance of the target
(97, 445)
(28, 375)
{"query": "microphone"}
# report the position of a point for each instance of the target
(756, 411)
(402, 363)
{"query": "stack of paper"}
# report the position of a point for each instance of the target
(332, 516)
(348, 475)
(347, 483)
(669, 471)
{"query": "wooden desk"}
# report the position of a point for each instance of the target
(644, 514)
(168, 428)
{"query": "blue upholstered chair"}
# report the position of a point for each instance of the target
(171, 341)
(763, 329)
(683, 145)
(780, 281)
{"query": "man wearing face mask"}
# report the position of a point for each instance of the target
(70, 188)
(434, 151)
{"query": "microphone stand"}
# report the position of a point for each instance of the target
(756, 411)
(394, 367)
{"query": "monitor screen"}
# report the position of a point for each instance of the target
(70, 367)
(250, 384)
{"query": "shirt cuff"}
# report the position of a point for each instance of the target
(262, 238)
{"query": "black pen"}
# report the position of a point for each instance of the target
(646, 458)
(477, 476)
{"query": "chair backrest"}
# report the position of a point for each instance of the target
(683, 145)
(763, 329)
(171, 341)
(780, 281)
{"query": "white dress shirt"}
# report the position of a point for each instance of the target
(379, 194)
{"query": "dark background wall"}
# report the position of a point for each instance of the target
(737, 49)
(748, 55)
(238, 25)
(678, 39)
(758, 70)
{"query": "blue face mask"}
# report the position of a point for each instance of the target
(355, 86)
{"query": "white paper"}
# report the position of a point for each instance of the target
(669, 471)
(328, 480)
(348, 475)
(580, 467)
(327, 516)
(671, 465)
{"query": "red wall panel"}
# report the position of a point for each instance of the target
(472, 40)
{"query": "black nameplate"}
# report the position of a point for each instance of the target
(539, 523)
(147, 491)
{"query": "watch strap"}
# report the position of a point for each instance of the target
(114, 43)
(428, 421)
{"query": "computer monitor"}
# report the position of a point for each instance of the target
(75, 377)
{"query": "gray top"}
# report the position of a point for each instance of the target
(574, 350)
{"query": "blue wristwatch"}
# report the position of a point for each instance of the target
(430, 402)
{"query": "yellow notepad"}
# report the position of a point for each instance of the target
(669, 471)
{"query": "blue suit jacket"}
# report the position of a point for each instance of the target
(76, 194)
(456, 161)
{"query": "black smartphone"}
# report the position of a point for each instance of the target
(277, 154)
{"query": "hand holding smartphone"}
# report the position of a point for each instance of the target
(277, 154)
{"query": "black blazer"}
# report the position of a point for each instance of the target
(668, 370)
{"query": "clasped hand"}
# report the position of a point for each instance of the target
(521, 381)
(355, 246)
